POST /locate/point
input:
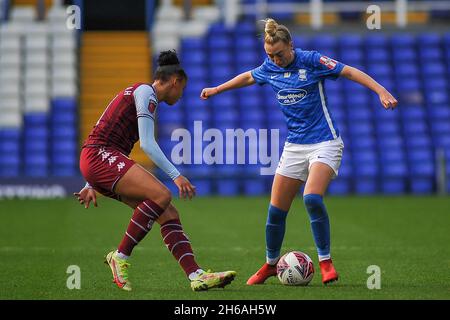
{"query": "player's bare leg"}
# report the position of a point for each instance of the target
(179, 245)
(319, 178)
(284, 190)
(151, 198)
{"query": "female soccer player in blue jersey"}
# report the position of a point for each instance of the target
(313, 150)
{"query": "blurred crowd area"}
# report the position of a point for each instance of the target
(56, 81)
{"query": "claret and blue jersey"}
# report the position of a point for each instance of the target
(301, 94)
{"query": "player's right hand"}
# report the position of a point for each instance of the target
(186, 189)
(85, 196)
(208, 92)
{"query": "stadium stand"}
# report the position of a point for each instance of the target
(390, 152)
(38, 77)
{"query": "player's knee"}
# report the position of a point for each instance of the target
(163, 198)
(312, 201)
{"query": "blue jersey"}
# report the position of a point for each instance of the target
(301, 94)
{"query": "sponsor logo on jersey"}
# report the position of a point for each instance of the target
(287, 97)
(328, 62)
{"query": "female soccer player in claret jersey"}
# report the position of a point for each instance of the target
(313, 150)
(105, 165)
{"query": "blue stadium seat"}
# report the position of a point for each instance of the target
(246, 42)
(9, 146)
(252, 114)
(393, 142)
(400, 40)
(64, 103)
(249, 101)
(418, 141)
(35, 119)
(413, 112)
(439, 112)
(382, 114)
(380, 70)
(64, 159)
(433, 69)
(220, 58)
(219, 42)
(405, 70)
(63, 132)
(62, 146)
(431, 39)
(221, 74)
(195, 58)
(437, 96)
(360, 113)
(376, 40)
(196, 72)
(36, 145)
(247, 27)
(415, 127)
(37, 132)
(224, 102)
(351, 40)
(351, 56)
(68, 118)
(388, 128)
(323, 41)
(409, 88)
(430, 53)
(404, 55)
(435, 82)
(441, 127)
(301, 42)
(363, 142)
(192, 44)
(381, 55)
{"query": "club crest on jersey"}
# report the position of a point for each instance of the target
(328, 62)
(302, 75)
(152, 107)
(288, 97)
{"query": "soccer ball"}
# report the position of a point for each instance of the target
(295, 268)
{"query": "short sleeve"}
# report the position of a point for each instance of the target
(323, 66)
(146, 101)
(260, 74)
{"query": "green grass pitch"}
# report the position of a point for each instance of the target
(407, 237)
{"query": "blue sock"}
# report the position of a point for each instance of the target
(320, 225)
(275, 227)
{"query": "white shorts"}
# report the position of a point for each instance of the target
(296, 159)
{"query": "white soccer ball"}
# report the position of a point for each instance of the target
(295, 268)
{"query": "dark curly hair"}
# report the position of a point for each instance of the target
(168, 65)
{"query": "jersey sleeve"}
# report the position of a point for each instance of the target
(145, 101)
(323, 66)
(260, 74)
(148, 143)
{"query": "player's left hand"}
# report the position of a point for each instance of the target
(387, 100)
(85, 196)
